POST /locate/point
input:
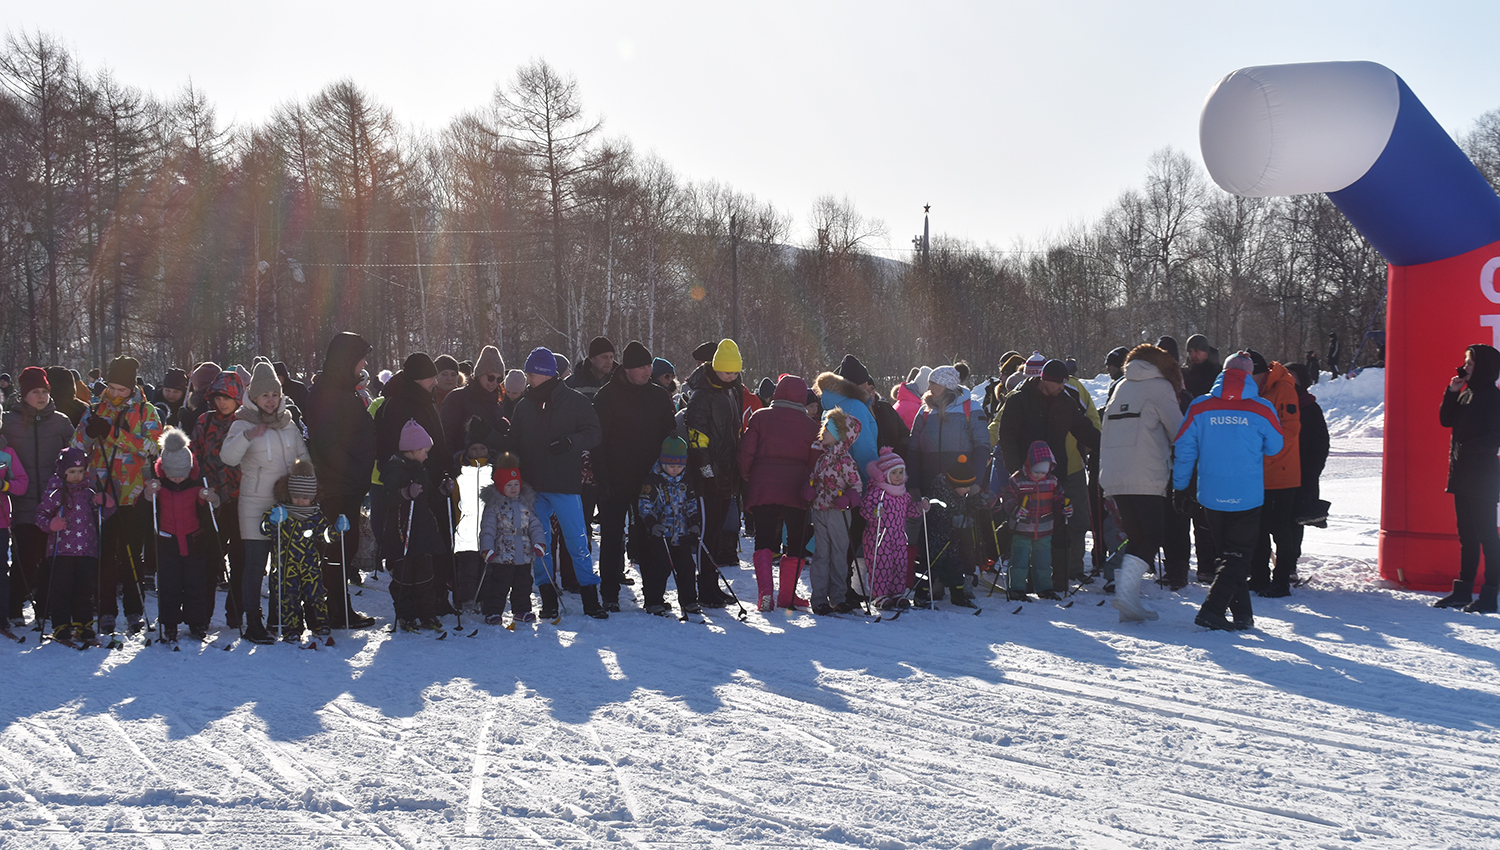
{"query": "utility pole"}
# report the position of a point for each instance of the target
(734, 274)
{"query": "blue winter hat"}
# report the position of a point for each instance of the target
(661, 366)
(541, 362)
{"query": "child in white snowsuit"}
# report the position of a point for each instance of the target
(510, 537)
(835, 486)
(669, 510)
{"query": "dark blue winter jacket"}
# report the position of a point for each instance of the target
(1227, 434)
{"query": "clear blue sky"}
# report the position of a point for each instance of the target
(1013, 120)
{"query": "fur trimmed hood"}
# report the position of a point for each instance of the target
(1158, 357)
(490, 493)
(833, 382)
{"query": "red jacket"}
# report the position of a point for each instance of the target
(177, 508)
(775, 453)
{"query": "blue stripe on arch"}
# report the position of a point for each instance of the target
(1422, 200)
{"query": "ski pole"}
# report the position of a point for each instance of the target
(344, 570)
(280, 590)
(458, 610)
(161, 633)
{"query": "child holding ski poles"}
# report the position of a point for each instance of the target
(669, 510)
(887, 506)
(298, 523)
(1035, 498)
(510, 537)
(176, 494)
(959, 507)
(72, 510)
(411, 534)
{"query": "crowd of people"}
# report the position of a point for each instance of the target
(942, 487)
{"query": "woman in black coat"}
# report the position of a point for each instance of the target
(1471, 407)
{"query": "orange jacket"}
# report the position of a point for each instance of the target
(1284, 469)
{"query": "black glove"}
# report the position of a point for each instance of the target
(446, 488)
(561, 445)
(658, 530)
(1183, 501)
(98, 427)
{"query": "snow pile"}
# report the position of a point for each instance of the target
(1355, 407)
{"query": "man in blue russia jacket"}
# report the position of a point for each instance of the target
(1227, 434)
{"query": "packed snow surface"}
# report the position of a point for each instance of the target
(1354, 716)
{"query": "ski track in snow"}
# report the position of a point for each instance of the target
(1354, 716)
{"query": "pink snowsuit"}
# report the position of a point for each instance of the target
(887, 507)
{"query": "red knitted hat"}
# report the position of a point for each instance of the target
(507, 469)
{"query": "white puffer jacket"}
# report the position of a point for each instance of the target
(262, 461)
(1135, 456)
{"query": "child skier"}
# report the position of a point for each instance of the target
(296, 523)
(669, 510)
(510, 537)
(835, 486)
(479, 443)
(411, 533)
(181, 546)
(1034, 496)
(72, 511)
(954, 528)
(887, 507)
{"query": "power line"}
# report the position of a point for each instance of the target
(416, 265)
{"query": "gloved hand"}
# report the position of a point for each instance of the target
(277, 516)
(658, 530)
(808, 492)
(706, 470)
(103, 499)
(842, 502)
(489, 556)
(208, 495)
(446, 488)
(152, 488)
(539, 551)
(561, 445)
(412, 491)
(1022, 514)
(1183, 501)
(341, 524)
(57, 524)
(98, 427)
(1067, 510)
(693, 531)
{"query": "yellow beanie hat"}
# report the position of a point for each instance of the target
(727, 357)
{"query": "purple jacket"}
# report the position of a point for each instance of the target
(81, 537)
(776, 451)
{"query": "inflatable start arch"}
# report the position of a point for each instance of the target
(1355, 131)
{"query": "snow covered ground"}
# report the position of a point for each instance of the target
(1355, 716)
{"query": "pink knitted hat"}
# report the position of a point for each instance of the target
(414, 437)
(880, 468)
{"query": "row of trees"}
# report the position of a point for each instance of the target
(134, 224)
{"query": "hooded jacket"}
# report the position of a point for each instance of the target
(776, 451)
(836, 391)
(509, 527)
(465, 403)
(177, 515)
(908, 403)
(1474, 415)
(834, 475)
(13, 481)
(714, 418)
(65, 394)
(1135, 444)
(1227, 435)
(340, 431)
(262, 461)
(406, 400)
(938, 437)
(37, 437)
(75, 504)
(1042, 500)
(1284, 469)
(208, 439)
(671, 502)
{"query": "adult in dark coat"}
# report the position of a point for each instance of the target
(1312, 446)
(1471, 407)
(635, 415)
(1044, 407)
(594, 371)
(408, 396)
(552, 427)
(66, 396)
(713, 417)
(341, 440)
(480, 397)
(1203, 366)
(37, 432)
(776, 455)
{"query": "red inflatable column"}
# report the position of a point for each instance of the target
(1433, 312)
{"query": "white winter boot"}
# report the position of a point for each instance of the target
(1128, 591)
